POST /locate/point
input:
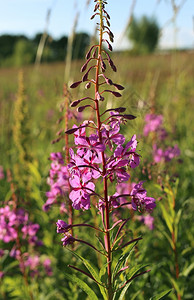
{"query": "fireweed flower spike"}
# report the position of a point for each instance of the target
(101, 155)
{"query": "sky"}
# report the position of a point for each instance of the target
(28, 17)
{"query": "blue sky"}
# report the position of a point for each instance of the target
(29, 17)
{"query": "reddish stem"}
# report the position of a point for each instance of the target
(107, 221)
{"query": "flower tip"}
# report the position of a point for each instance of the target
(75, 84)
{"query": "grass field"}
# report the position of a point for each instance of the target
(30, 101)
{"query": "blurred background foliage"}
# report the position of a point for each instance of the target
(19, 50)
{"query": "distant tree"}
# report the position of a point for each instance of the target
(144, 34)
(80, 43)
(36, 38)
(19, 50)
(59, 48)
(7, 46)
(24, 53)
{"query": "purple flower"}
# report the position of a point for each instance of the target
(68, 239)
(90, 144)
(62, 226)
(7, 221)
(153, 123)
(16, 253)
(158, 154)
(81, 132)
(58, 180)
(57, 157)
(171, 152)
(87, 165)
(140, 201)
(131, 157)
(30, 230)
(47, 266)
(80, 194)
(165, 155)
(122, 157)
(110, 134)
(32, 262)
(148, 220)
(162, 134)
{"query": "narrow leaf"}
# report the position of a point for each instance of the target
(167, 217)
(81, 271)
(132, 273)
(124, 290)
(161, 295)
(123, 259)
(187, 270)
(82, 285)
(90, 268)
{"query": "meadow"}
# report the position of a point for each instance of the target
(32, 101)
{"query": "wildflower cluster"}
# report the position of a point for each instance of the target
(58, 181)
(16, 229)
(100, 153)
(154, 123)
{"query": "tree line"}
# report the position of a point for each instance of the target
(18, 50)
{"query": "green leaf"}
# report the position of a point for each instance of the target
(82, 285)
(51, 294)
(134, 270)
(10, 266)
(186, 251)
(175, 284)
(124, 290)
(103, 278)
(168, 238)
(175, 188)
(168, 219)
(177, 219)
(117, 241)
(35, 172)
(123, 259)
(90, 268)
(92, 271)
(161, 295)
(187, 270)
(170, 197)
